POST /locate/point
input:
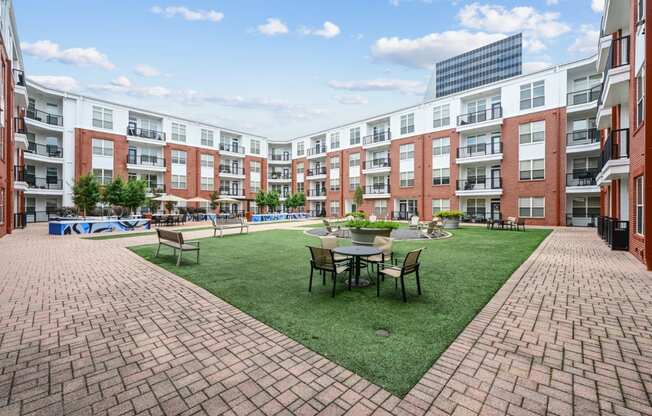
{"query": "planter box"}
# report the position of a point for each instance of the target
(366, 236)
(451, 223)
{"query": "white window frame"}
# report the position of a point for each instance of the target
(639, 188)
(533, 95)
(207, 183)
(102, 147)
(207, 138)
(255, 147)
(354, 160)
(529, 167)
(179, 182)
(179, 157)
(440, 204)
(406, 151)
(528, 203)
(102, 117)
(407, 179)
(178, 132)
(335, 141)
(532, 133)
(103, 176)
(441, 116)
(441, 146)
(407, 123)
(254, 166)
(640, 97)
(301, 148)
(354, 136)
(206, 161)
(441, 176)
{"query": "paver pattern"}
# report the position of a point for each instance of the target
(87, 327)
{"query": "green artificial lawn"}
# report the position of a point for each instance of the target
(265, 274)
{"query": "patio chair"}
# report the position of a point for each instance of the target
(410, 265)
(414, 223)
(520, 223)
(510, 223)
(386, 245)
(322, 259)
(330, 242)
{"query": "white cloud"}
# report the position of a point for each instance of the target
(552, 2)
(146, 71)
(329, 30)
(397, 3)
(63, 83)
(50, 51)
(273, 27)
(122, 85)
(188, 14)
(597, 6)
(535, 66)
(351, 99)
(423, 52)
(586, 40)
(498, 19)
(401, 85)
(121, 81)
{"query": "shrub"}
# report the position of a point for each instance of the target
(451, 214)
(369, 224)
(358, 215)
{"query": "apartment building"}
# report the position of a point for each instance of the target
(621, 115)
(13, 99)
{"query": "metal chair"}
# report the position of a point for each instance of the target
(411, 265)
(324, 261)
(385, 244)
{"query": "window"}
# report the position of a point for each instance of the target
(255, 146)
(335, 208)
(178, 132)
(407, 151)
(354, 136)
(380, 208)
(533, 95)
(103, 176)
(301, 148)
(300, 186)
(335, 163)
(335, 140)
(531, 169)
(534, 132)
(640, 10)
(586, 207)
(254, 166)
(207, 183)
(476, 208)
(207, 138)
(640, 98)
(207, 161)
(102, 118)
(640, 204)
(439, 205)
(179, 181)
(441, 176)
(103, 147)
(335, 184)
(441, 146)
(2, 205)
(531, 207)
(354, 182)
(354, 160)
(407, 123)
(300, 168)
(441, 116)
(178, 157)
(407, 179)
(254, 187)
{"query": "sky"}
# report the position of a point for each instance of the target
(281, 68)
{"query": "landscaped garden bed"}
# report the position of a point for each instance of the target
(265, 274)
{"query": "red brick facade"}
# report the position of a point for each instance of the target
(8, 146)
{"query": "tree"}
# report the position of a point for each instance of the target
(358, 197)
(153, 204)
(86, 193)
(291, 202)
(272, 200)
(261, 199)
(300, 200)
(113, 193)
(169, 206)
(214, 200)
(134, 195)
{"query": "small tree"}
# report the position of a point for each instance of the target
(169, 206)
(358, 196)
(86, 193)
(153, 204)
(113, 194)
(300, 200)
(272, 200)
(290, 202)
(214, 200)
(134, 195)
(261, 200)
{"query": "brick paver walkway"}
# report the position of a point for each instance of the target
(87, 327)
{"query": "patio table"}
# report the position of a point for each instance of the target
(357, 252)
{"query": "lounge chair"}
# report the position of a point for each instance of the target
(410, 265)
(414, 223)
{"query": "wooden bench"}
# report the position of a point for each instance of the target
(242, 224)
(174, 239)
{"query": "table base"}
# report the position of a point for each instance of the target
(360, 282)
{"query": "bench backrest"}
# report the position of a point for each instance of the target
(174, 236)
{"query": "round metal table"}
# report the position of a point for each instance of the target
(358, 252)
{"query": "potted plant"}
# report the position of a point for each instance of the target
(363, 232)
(451, 219)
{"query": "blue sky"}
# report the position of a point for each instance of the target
(281, 68)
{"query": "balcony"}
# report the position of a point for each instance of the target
(134, 131)
(45, 150)
(480, 152)
(479, 186)
(316, 151)
(614, 158)
(614, 232)
(479, 119)
(279, 176)
(284, 157)
(19, 178)
(316, 172)
(616, 77)
(148, 162)
(42, 117)
(377, 139)
(376, 191)
(234, 148)
(37, 184)
(155, 188)
(20, 133)
(583, 99)
(235, 192)
(582, 181)
(316, 193)
(582, 140)
(20, 88)
(226, 170)
(379, 165)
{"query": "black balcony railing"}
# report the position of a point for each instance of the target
(377, 189)
(581, 178)
(479, 149)
(618, 52)
(377, 137)
(232, 170)
(584, 96)
(20, 220)
(615, 147)
(279, 157)
(155, 188)
(279, 175)
(316, 192)
(233, 148)
(316, 150)
(134, 131)
(318, 213)
(19, 173)
(146, 160)
(49, 150)
(614, 232)
(43, 117)
(316, 171)
(377, 163)
(479, 184)
(579, 137)
(19, 77)
(232, 191)
(480, 116)
(403, 215)
(32, 216)
(49, 182)
(19, 125)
